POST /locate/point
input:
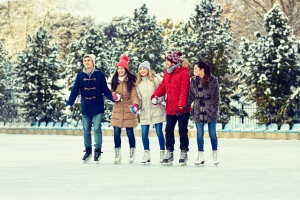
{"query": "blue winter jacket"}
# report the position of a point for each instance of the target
(91, 89)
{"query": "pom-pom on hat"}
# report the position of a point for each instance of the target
(92, 56)
(124, 62)
(145, 64)
(174, 57)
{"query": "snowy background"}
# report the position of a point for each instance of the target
(49, 167)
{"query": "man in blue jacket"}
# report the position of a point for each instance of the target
(91, 83)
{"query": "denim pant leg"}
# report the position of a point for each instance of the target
(160, 135)
(213, 134)
(117, 137)
(183, 121)
(200, 135)
(145, 136)
(97, 120)
(87, 127)
(170, 126)
(131, 138)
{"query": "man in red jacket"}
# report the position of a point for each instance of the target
(175, 85)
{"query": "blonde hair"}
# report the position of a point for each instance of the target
(151, 75)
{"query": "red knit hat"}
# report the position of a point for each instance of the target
(174, 57)
(123, 62)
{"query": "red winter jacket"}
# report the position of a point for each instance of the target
(176, 87)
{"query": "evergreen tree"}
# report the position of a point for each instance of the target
(212, 42)
(270, 68)
(146, 41)
(9, 108)
(38, 77)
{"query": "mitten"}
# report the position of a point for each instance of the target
(117, 97)
(179, 111)
(68, 110)
(154, 100)
(134, 108)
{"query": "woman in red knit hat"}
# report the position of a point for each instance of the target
(125, 107)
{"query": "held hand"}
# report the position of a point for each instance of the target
(134, 108)
(68, 110)
(179, 111)
(154, 100)
(117, 97)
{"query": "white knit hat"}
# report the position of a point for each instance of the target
(92, 56)
(145, 64)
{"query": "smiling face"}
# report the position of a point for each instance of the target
(88, 64)
(169, 64)
(143, 71)
(121, 71)
(198, 72)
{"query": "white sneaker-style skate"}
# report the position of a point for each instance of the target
(215, 157)
(118, 156)
(146, 158)
(183, 157)
(168, 160)
(200, 159)
(131, 155)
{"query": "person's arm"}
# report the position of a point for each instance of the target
(215, 96)
(106, 91)
(184, 90)
(161, 90)
(191, 96)
(74, 92)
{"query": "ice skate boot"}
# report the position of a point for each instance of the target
(97, 155)
(200, 159)
(162, 155)
(131, 155)
(183, 158)
(215, 157)
(118, 156)
(168, 160)
(87, 155)
(146, 158)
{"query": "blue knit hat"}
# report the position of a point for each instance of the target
(144, 64)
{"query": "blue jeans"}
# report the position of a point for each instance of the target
(212, 134)
(159, 133)
(87, 121)
(117, 137)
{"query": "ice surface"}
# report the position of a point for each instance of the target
(49, 167)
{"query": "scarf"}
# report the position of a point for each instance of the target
(121, 78)
(170, 70)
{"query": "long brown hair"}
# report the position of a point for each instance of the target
(130, 83)
(207, 72)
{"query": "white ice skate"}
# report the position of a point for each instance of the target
(215, 157)
(168, 160)
(183, 158)
(161, 157)
(118, 156)
(200, 159)
(131, 155)
(146, 159)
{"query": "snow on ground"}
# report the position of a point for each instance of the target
(42, 167)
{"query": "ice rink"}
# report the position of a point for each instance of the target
(42, 167)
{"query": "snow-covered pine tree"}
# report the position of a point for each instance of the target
(212, 42)
(9, 104)
(38, 72)
(180, 40)
(271, 70)
(146, 41)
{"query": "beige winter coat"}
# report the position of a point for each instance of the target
(121, 114)
(150, 114)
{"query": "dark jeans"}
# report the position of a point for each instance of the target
(117, 137)
(183, 131)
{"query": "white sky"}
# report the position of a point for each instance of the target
(105, 10)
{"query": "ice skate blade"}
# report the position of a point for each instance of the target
(199, 164)
(168, 164)
(216, 164)
(117, 162)
(183, 164)
(145, 163)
